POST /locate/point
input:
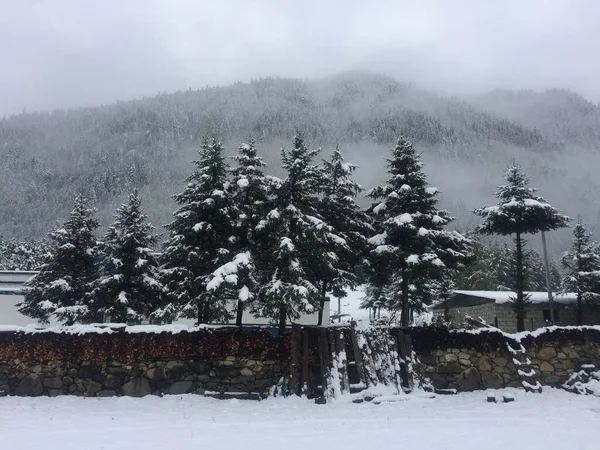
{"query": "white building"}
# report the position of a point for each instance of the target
(11, 285)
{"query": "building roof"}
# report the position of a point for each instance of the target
(462, 299)
(11, 281)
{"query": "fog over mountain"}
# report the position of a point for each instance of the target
(474, 84)
(466, 142)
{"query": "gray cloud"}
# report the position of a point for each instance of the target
(63, 53)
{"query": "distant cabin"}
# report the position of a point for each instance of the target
(496, 309)
(11, 293)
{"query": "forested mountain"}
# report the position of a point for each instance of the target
(106, 151)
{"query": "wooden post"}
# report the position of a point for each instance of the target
(323, 357)
(405, 347)
(396, 361)
(305, 388)
(295, 345)
(341, 347)
(358, 358)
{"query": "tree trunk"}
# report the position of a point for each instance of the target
(323, 296)
(282, 317)
(520, 285)
(446, 310)
(239, 313)
(548, 285)
(200, 312)
(579, 282)
(404, 318)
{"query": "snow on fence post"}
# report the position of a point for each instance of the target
(358, 358)
(342, 361)
(295, 345)
(405, 349)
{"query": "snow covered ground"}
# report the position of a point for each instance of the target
(552, 420)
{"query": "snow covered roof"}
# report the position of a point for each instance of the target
(464, 298)
(11, 281)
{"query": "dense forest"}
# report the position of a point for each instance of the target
(106, 151)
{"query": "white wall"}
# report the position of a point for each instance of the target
(9, 315)
(249, 319)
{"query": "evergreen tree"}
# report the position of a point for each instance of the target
(129, 290)
(481, 270)
(293, 236)
(239, 278)
(61, 289)
(199, 238)
(493, 267)
(582, 266)
(443, 291)
(411, 245)
(349, 223)
(519, 212)
(23, 255)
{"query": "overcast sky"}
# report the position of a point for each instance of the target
(62, 53)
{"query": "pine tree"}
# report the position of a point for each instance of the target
(61, 289)
(582, 266)
(411, 244)
(444, 289)
(23, 255)
(481, 270)
(130, 289)
(239, 278)
(493, 267)
(349, 224)
(293, 235)
(519, 212)
(200, 238)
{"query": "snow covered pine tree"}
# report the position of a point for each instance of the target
(411, 246)
(129, 290)
(294, 236)
(61, 290)
(239, 278)
(200, 238)
(519, 212)
(582, 269)
(339, 210)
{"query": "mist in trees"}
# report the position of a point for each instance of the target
(106, 152)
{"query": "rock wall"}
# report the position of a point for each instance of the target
(143, 361)
(468, 369)
(231, 374)
(106, 362)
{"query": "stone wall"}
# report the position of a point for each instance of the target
(470, 368)
(94, 362)
(156, 361)
(86, 378)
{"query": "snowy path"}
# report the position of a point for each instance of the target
(553, 420)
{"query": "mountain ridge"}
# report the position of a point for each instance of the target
(107, 150)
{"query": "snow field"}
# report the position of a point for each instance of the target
(552, 420)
